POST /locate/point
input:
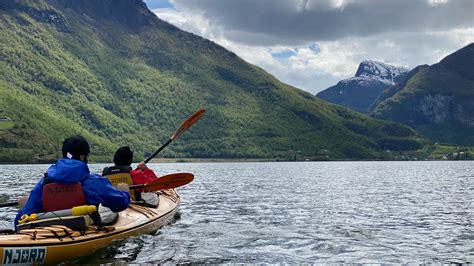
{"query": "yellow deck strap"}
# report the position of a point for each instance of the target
(75, 211)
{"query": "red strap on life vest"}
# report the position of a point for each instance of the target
(62, 196)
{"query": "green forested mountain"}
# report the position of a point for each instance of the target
(392, 90)
(437, 101)
(115, 73)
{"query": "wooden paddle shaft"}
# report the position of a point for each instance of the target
(156, 152)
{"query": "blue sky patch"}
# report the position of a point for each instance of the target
(314, 48)
(155, 4)
(283, 54)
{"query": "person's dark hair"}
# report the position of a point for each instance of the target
(74, 147)
(123, 156)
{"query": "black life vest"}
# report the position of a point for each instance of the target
(117, 175)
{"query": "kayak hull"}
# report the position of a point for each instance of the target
(54, 244)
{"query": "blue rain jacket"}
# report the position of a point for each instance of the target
(96, 188)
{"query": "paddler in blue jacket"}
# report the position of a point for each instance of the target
(73, 169)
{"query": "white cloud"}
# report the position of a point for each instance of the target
(293, 22)
(314, 69)
(436, 2)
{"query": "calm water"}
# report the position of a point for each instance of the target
(323, 212)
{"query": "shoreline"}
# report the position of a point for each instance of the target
(251, 160)
(234, 160)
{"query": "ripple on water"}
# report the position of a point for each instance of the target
(331, 212)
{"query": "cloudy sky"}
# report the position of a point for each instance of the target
(312, 44)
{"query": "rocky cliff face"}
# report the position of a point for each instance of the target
(359, 92)
(438, 100)
(437, 108)
(446, 109)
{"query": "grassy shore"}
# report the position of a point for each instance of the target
(434, 152)
(208, 160)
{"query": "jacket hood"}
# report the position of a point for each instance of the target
(68, 171)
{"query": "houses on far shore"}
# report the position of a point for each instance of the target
(459, 155)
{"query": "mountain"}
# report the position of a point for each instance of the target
(393, 89)
(115, 73)
(359, 92)
(438, 101)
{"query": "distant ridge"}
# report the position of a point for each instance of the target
(392, 90)
(437, 100)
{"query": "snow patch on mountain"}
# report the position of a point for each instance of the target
(365, 81)
(373, 73)
(380, 71)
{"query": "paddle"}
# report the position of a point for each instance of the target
(9, 204)
(163, 182)
(186, 124)
(166, 182)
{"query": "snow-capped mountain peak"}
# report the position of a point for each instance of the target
(378, 70)
(359, 92)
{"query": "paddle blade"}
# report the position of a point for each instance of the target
(188, 123)
(9, 204)
(169, 181)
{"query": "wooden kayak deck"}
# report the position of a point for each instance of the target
(54, 244)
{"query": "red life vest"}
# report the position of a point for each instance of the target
(62, 196)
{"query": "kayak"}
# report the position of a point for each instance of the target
(53, 244)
